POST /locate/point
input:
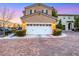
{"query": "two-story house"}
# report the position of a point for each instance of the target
(39, 18)
(67, 21)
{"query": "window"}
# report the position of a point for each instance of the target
(27, 24)
(68, 17)
(49, 24)
(30, 11)
(34, 24)
(30, 24)
(40, 24)
(42, 11)
(34, 11)
(46, 11)
(64, 18)
(37, 24)
(46, 24)
(43, 24)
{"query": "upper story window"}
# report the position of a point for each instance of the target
(42, 11)
(30, 11)
(46, 11)
(68, 17)
(64, 18)
(34, 11)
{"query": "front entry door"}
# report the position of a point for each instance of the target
(69, 26)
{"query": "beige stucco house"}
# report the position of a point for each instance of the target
(39, 18)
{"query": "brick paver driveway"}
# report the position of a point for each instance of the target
(41, 46)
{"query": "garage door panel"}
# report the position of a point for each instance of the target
(39, 30)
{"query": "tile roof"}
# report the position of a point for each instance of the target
(39, 5)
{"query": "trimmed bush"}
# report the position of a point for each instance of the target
(57, 32)
(20, 32)
(14, 30)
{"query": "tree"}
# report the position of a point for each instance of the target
(76, 23)
(54, 13)
(5, 15)
(59, 25)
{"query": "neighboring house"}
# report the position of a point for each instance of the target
(6, 23)
(67, 21)
(39, 18)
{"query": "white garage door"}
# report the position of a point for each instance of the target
(39, 29)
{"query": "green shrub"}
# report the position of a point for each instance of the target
(59, 25)
(76, 23)
(14, 30)
(20, 32)
(57, 32)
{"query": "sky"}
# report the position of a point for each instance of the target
(62, 8)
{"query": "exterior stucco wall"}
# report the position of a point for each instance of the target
(39, 19)
(65, 20)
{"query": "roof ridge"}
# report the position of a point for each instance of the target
(39, 4)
